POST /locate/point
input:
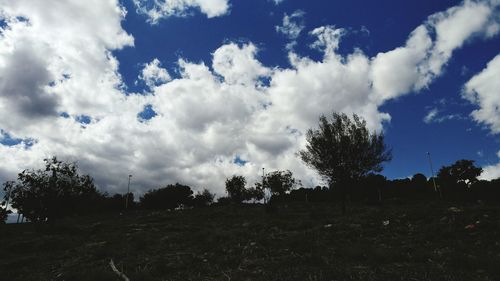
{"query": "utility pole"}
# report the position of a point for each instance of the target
(433, 178)
(128, 192)
(263, 189)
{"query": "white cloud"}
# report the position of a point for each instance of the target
(413, 66)
(431, 115)
(483, 90)
(491, 172)
(156, 10)
(238, 65)
(292, 25)
(397, 72)
(328, 39)
(277, 2)
(44, 67)
(434, 116)
(213, 112)
(153, 74)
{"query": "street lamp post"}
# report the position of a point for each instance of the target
(128, 192)
(432, 173)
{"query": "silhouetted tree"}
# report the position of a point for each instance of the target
(419, 180)
(203, 199)
(279, 182)
(419, 186)
(4, 214)
(169, 197)
(54, 192)
(318, 194)
(235, 187)
(458, 177)
(488, 191)
(375, 184)
(223, 201)
(342, 151)
(461, 172)
(255, 193)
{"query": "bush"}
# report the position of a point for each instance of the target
(169, 197)
(54, 192)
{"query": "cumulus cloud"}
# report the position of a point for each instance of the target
(483, 90)
(291, 27)
(153, 74)
(413, 66)
(156, 10)
(328, 39)
(213, 113)
(238, 64)
(53, 63)
(491, 172)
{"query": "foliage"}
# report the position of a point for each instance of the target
(462, 172)
(224, 201)
(169, 197)
(54, 192)
(235, 187)
(419, 180)
(203, 199)
(456, 180)
(280, 182)
(4, 213)
(342, 150)
(255, 193)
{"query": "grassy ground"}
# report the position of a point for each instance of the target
(298, 242)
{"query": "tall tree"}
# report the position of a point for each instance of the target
(235, 187)
(342, 151)
(279, 182)
(457, 178)
(56, 191)
(204, 198)
(461, 172)
(169, 197)
(4, 214)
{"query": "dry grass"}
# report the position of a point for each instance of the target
(297, 242)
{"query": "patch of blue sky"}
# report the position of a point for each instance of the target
(239, 161)
(146, 114)
(7, 140)
(83, 119)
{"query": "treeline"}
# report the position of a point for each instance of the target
(455, 183)
(341, 150)
(59, 191)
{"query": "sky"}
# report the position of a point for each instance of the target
(195, 91)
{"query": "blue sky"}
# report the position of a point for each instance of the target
(388, 24)
(199, 90)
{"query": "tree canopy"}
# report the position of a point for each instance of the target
(342, 150)
(235, 187)
(279, 182)
(57, 190)
(169, 197)
(461, 172)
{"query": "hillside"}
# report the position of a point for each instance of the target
(296, 242)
